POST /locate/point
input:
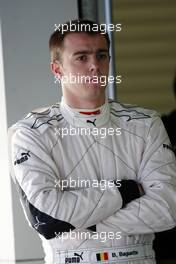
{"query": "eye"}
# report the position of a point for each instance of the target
(102, 56)
(82, 58)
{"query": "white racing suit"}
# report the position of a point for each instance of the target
(65, 177)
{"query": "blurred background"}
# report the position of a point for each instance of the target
(145, 52)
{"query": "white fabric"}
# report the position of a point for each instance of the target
(138, 154)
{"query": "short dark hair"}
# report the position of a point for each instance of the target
(81, 26)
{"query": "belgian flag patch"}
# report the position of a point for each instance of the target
(102, 256)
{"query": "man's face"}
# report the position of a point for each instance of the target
(86, 58)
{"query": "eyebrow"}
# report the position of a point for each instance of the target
(89, 52)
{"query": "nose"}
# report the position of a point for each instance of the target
(94, 65)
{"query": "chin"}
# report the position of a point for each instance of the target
(95, 93)
(95, 86)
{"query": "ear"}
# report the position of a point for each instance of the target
(56, 69)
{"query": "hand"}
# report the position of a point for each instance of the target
(130, 190)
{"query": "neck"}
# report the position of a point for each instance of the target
(84, 104)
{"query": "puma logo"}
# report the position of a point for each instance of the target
(92, 122)
(75, 259)
(24, 156)
(80, 256)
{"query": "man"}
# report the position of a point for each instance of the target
(61, 155)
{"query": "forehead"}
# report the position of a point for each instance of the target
(74, 42)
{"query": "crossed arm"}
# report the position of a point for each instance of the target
(149, 207)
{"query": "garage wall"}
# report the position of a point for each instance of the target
(146, 52)
(26, 27)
